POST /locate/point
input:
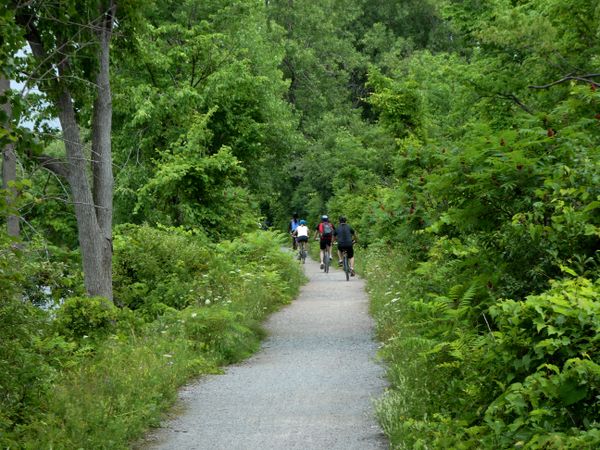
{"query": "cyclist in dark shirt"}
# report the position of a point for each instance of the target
(345, 236)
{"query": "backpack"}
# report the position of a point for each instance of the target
(326, 229)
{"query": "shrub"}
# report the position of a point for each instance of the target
(86, 316)
(546, 357)
(158, 265)
(526, 376)
(222, 334)
(25, 375)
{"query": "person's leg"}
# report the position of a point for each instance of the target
(340, 257)
(351, 260)
(322, 252)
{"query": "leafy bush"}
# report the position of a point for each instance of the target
(25, 374)
(194, 305)
(521, 373)
(158, 269)
(29, 353)
(546, 357)
(79, 317)
(217, 331)
(154, 266)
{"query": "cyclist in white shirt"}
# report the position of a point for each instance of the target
(301, 232)
(301, 236)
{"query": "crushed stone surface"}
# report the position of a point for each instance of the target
(311, 386)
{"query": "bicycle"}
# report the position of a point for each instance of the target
(302, 251)
(346, 264)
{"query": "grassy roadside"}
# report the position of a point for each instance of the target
(102, 375)
(526, 377)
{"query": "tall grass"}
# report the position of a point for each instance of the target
(102, 386)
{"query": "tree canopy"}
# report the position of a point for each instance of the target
(461, 138)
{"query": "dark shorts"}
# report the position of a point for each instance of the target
(302, 238)
(348, 249)
(323, 243)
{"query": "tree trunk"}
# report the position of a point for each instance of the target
(102, 174)
(9, 167)
(93, 203)
(91, 240)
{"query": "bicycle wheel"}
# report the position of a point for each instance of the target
(326, 261)
(346, 266)
(303, 252)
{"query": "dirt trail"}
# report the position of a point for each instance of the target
(310, 387)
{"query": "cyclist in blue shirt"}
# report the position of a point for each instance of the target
(292, 225)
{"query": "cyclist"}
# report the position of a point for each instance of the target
(345, 236)
(324, 233)
(301, 232)
(292, 225)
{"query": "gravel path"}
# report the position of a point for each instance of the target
(310, 387)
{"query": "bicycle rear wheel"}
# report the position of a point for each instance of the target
(346, 266)
(327, 260)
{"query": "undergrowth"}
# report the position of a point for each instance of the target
(89, 374)
(469, 373)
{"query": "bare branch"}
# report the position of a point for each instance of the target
(55, 165)
(583, 78)
(508, 96)
(515, 99)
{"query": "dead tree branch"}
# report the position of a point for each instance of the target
(583, 78)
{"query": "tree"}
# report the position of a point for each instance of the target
(8, 45)
(199, 100)
(71, 56)
(9, 161)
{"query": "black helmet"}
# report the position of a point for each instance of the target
(295, 215)
(342, 219)
(324, 218)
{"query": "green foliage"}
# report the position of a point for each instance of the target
(532, 382)
(91, 375)
(156, 269)
(29, 354)
(225, 335)
(159, 269)
(200, 121)
(398, 104)
(107, 395)
(80, 317)
(25, 375)
(550, 380)
(199, 191)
